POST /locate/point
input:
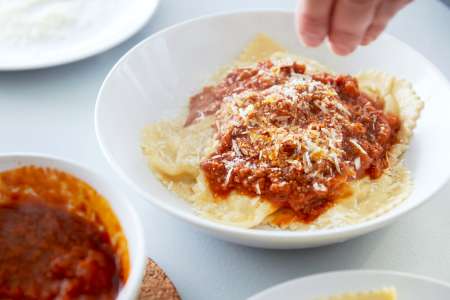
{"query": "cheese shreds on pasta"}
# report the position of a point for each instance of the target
(176, 149)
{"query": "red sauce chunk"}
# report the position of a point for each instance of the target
(292, 138)
(49, 252)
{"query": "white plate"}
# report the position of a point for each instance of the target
(113, 24)
(155, 79)
(409, 287)
(126, 214)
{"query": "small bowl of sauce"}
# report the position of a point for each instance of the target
(62, 237)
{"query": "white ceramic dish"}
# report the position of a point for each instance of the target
(154, 80)
(409, 287)
(115, 23)
(121, 206)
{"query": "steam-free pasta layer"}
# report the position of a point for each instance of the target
(273, 144)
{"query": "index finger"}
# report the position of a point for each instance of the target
(313, 19)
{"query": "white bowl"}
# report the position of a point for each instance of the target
(408, 286)
(154, 80)
(128, 218)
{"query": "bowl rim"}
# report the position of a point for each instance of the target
(136, 274)
(274, 235)
(347, 272)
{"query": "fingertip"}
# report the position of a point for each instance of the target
(311, 40)
(312, 21)
(372, 34)
(366, 41)
(342, 49)
(312, 31)
(344, 42)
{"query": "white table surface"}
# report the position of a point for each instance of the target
(52, 111)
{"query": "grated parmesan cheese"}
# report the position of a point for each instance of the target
(235, 147)
(358, 146)
(28, 22)
(319, 187)
(258, 189)
(357, 163)
(228, 177)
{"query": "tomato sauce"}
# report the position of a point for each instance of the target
(48, 251)
(291, 138)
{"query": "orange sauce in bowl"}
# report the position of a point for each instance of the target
(58, 238)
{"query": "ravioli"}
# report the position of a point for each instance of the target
(379, 294)
(175, 153)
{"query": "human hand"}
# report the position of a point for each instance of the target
(346, 23)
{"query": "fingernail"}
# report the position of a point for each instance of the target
(312, 40)
(342, 49)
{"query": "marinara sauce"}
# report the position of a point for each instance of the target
(46, 250)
